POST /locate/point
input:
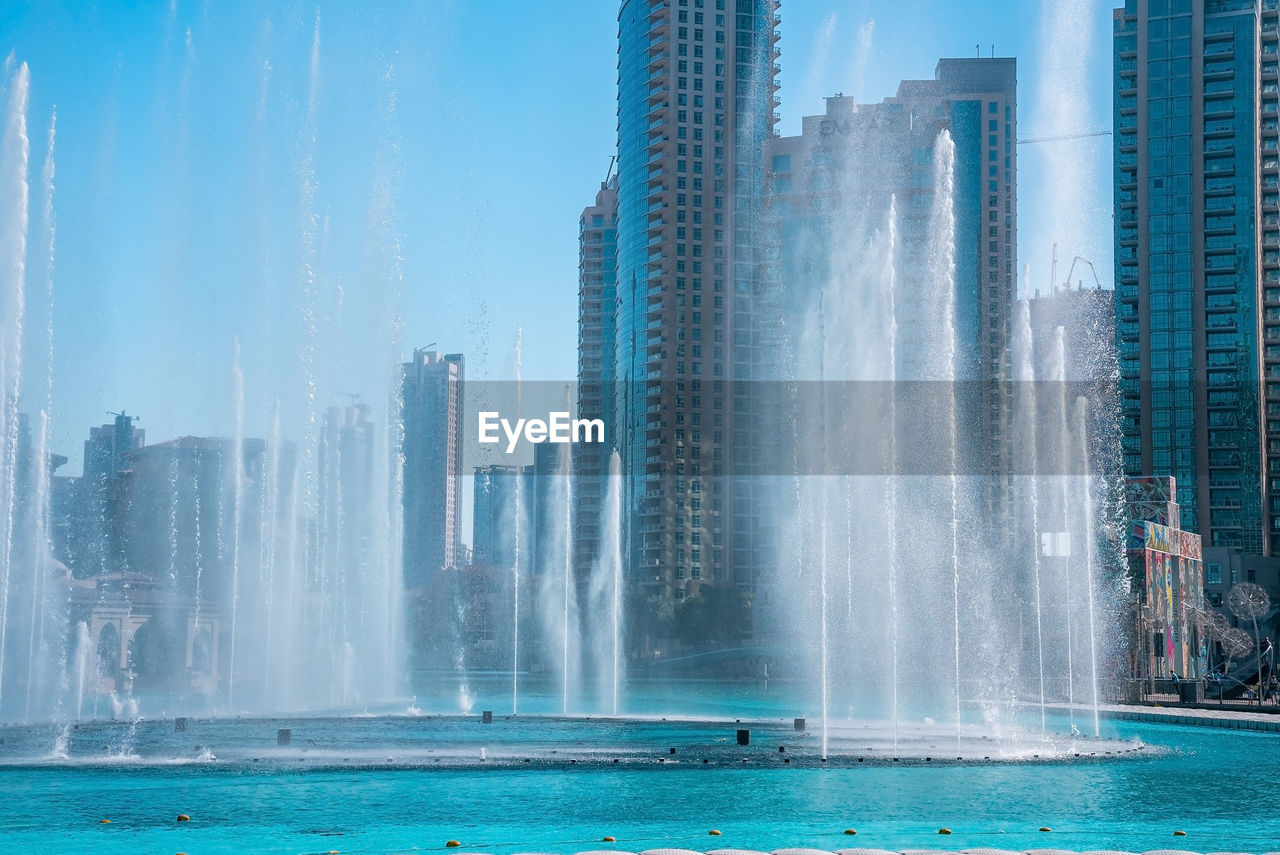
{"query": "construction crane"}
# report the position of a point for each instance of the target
(1059, 138)
(1072, 270)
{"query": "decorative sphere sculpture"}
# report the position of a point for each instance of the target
(1248, 601)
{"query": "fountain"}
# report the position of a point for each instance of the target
(927, 609)
(605, 597)
(280, 561)
(291, 552)
(935, 582)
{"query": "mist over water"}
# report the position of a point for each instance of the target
(922, 598)
(273, 553)
(278, 548)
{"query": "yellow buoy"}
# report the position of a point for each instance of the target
(850, 831)
(944, 831)
(611, 840)
(104, 822)
(1179, 834)
(182, 817)
(714, 833)
(1045, 828)
(452, 844)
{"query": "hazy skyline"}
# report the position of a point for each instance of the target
(225, 172)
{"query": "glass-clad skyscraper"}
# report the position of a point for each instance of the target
(1197, 240)
(695, 101)
(597, 337)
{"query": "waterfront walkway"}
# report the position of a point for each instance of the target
(1232, 717)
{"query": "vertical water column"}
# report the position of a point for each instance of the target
(518, 510)
(237, 500)
(295, 658)
(1025, 427)
(269, 509)
(890, 279)
(47, 661)
(604, 611)
(942, 221)
(566, 473)
(1087, 525)
(613, 544)
(1058, 377)
(14, 155)
(382, 615)
(824, 676)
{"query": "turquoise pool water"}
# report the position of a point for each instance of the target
(387, 785)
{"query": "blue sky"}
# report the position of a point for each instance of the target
(205, 194)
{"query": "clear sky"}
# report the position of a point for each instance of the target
(304, 178)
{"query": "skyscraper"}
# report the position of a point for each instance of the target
(696, 98)
(597, 333)
(836, 178)
(1197, 248)
(828, 194)
(95, 545)
(347, 514)
(432, 395)
(496, 533)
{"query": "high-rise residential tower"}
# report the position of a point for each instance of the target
(432, 465)
(498, 494)
(828, 196)
(96, 543)
(597, 339)
(831, 186)
(1197, 248)
(696, 99)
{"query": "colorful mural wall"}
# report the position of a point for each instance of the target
(1168, 561)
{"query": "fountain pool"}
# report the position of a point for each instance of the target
(425, 780)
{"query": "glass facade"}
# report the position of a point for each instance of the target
(830, 187)
(1191, 167)
(695, 102)
(597, 336)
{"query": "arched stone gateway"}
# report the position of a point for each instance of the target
(150, 641)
